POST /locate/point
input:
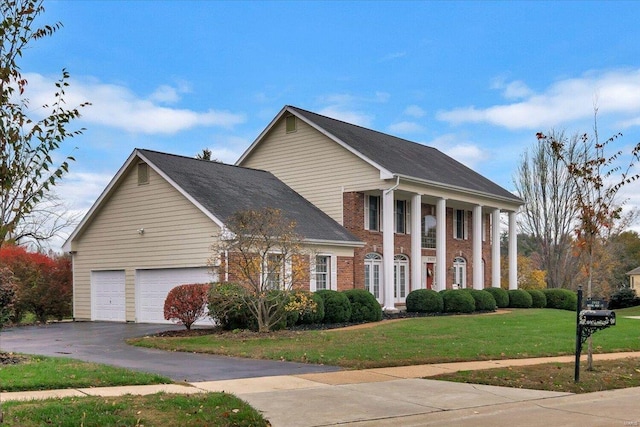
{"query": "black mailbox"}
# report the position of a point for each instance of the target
(597, 318)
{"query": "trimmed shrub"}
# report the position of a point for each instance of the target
(538, 300)
(227, 305)
(458, 301)
(484, 300)
(519, 298)
(364, 306)
(424, 301)
(562, 299)
(186, 304)
(312, 316)
(623, 298)
(337, 308)
(500, 295)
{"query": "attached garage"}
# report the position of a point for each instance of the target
(153, 286)
(108, 295)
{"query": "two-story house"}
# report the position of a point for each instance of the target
(427, 220)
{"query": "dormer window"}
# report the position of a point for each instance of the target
(143, 173)
(290, 123)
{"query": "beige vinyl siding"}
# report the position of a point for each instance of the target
(316, 167)
(176, 234)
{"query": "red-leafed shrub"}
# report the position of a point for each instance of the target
(186, 304)
(42, 283)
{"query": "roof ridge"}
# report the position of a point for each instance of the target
(363, 127)
(200, 160)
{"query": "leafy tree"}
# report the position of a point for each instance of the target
(28, 171)
(597, 177)
(43, 284)
(7, 295)
(265, 257)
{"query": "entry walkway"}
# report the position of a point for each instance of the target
(399, 397)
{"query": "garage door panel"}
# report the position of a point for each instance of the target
(153, 286)
(108, 295)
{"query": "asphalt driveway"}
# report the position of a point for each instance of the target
(103, 342)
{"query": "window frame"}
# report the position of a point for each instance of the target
(372, 208)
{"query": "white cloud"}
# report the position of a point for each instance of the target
(393, 55)
(613, 92)
(117, 107)
(414, 111)
(512, 90)
(81, 189)
(465, 152)
(406, 127)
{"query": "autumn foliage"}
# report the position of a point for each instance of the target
(186, 304)
(42, 283)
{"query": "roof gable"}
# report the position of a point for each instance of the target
(394, 156)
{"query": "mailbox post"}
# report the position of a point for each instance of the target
(588, 322)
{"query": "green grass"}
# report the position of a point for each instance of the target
(211, 409)
(48, 373)
(606, 375)
(519, 333)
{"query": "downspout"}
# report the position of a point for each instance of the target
(395, 186)
(226, 266)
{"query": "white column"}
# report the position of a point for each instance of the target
(513, 252)
(416, 242)
(441, 244)
(495, 249)
(388, 230)
(477, 247)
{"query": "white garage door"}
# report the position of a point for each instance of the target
(152, 287)
(107, 296)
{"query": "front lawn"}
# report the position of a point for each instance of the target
(606, 375)
(210, 409)
(23, 373)
(519, 333)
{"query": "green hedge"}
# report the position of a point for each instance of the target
(500, 295)
(538, 299)
(337, 308)
(424, 301)
(227, 304)
(519, 298)
(364, 306)
(458, 301)
(483, 299)
(562, 299)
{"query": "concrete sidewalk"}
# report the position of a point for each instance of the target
(398, 396)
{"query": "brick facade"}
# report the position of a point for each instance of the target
(353, 211)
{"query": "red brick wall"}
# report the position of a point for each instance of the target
(345, 273)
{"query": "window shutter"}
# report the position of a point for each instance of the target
(366, 212)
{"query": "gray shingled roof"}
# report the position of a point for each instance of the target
(403, 157)
(225, 189)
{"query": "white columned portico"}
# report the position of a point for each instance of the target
(441, 245)
(495, 249)
(477, 248)
(388, 229)
(416, 242)
(513, 252)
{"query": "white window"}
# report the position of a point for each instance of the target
(372, 273)
(401, 216)
(323, 272)
(400, 274)
(372, 213)
(429, 232)
(274, 272)
(460, 225)
(459, 272)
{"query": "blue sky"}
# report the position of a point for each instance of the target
(476, 80)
